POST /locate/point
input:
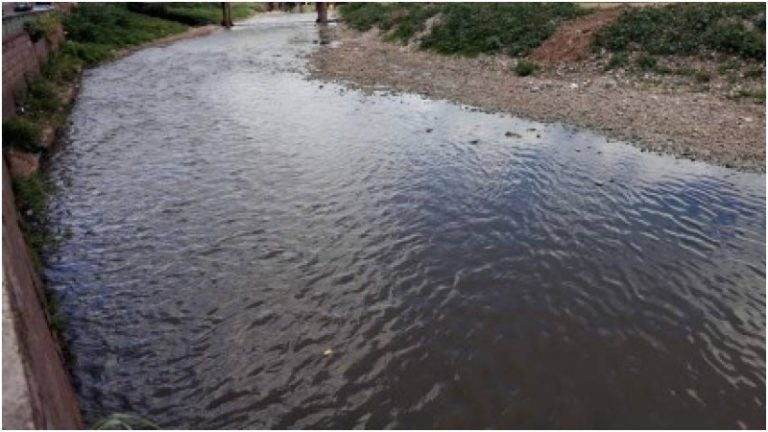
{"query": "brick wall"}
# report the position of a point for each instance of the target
(22, 60)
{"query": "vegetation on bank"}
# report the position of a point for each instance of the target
(640, 39)
(465, 28)
(194, 14)
(95, 32)
(689, 29)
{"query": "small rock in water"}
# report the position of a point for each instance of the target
(512, 135)
(531, 129)
(538, 135)
(475, 141)
(598, 183)
(320, 86)
(429, 130)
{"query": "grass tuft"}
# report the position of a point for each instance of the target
(525, 68)
(21, 134)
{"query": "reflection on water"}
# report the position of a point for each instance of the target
(231, 221)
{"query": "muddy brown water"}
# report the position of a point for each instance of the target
(248, 248)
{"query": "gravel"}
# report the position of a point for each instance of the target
(685, 122)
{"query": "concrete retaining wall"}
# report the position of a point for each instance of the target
(37, 392)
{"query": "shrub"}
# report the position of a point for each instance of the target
(407, 19)
(62, 67)
(89, 53)
(688, 29)
(193, 14)
(512, 28)
(41, 98)
(45, 26)
(646, 62)
(465, 28)
(21, 134)
(32, 193)
(96, 29)
(617, 60)
(525, 68)
(364, 16)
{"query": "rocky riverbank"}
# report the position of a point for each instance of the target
(682, 121)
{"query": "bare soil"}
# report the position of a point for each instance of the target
(572, 39)
(686, 119)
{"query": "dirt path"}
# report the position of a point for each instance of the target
(695, 125)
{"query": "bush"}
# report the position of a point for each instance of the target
(525, 68)
(21, 134)
(646, 62)
(193, 14)
(465, 28)
(32, 193)
(512, 28)
(96, 29)
(41, 98)
(689, 29)
(62, 67)
(410, 18)
(46, 26)
(89, 53)
(617, 60)
(364, 16)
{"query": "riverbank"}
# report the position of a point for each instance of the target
(683, 120)
(36, 386)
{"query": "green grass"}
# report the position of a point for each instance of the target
(96, 30)
(488, 28)
(617, 60)
(32, 194)
(42, 99)
(364, 16)
(646, 62)
(22, 134)
(465, 28)
(194, 14)
(757, 95)
(689, 29)
(525, 68)
(45, 26)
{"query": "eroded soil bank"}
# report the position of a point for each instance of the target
(685, 123)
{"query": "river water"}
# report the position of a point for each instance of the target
(248, 248)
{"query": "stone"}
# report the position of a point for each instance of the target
(23, 164)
